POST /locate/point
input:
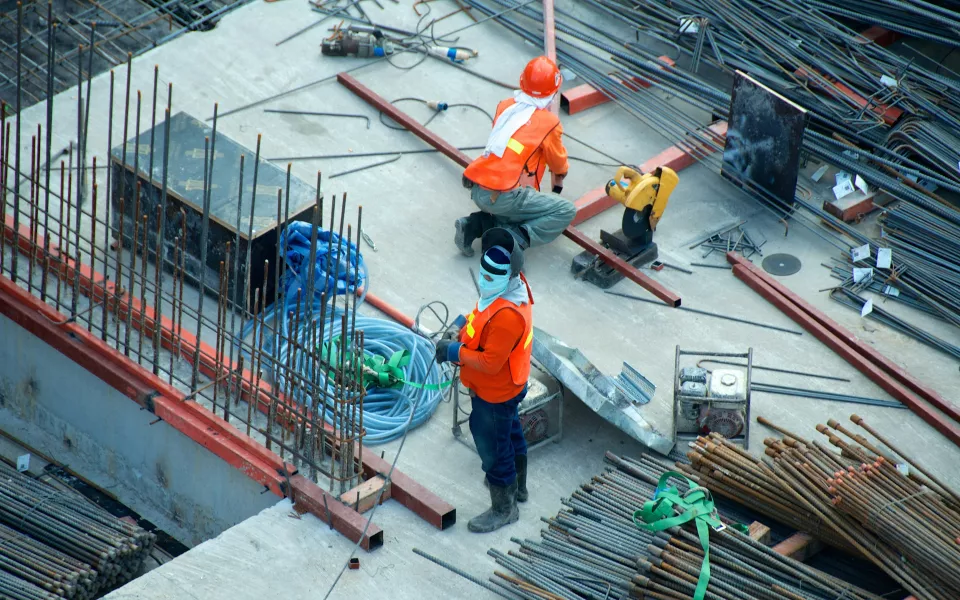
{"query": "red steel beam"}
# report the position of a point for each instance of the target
(414, 496)
(905, 378)
(586, 96)
(677, 157)
(463, 160)
(889, 114)
(762, 285)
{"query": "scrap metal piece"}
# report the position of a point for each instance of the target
(634, 385)
(596, 390)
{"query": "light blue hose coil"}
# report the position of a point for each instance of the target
(386, 412)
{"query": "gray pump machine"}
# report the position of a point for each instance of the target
(712, 401)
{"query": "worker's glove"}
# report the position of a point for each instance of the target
(557, 182)
(453, 332)
(448, 351)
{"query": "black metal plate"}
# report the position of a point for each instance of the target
(781, 264)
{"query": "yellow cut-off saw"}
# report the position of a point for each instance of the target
(644, 197)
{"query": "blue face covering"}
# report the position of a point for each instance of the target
(494, 276)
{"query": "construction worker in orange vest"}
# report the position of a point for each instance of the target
(505, 180)
(493, 348)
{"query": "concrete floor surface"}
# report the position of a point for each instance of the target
(409, 209)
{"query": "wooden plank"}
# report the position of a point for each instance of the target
(365, 496)
(799, 546)
(759, 532)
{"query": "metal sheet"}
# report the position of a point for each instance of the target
(596, 390)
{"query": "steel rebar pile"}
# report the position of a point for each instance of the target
(849, 298)
(856, 499)
(593, 549)
(56, 544)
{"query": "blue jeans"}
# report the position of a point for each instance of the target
(499, 437)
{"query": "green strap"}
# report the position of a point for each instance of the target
(697, 504)
(378, 371)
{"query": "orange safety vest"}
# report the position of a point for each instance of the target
(502, 174)
(519, 360)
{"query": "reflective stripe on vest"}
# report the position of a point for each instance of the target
(504, 173)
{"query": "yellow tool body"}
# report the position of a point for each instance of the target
(637, 191)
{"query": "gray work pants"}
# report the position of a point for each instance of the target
(541, 215)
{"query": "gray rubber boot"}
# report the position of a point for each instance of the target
(503, 510)
(520, 461)
(467, 231)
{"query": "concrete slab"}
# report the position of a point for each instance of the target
(409, 208)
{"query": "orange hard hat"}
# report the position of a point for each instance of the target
(540, 78)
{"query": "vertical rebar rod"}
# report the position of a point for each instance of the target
(16, 166)
(118, 284)
(235, 304)
(286, 219)
(79, 193)
(31, 204)
(93, 247)
(123, 186)
(157, 297)
(173, 300)
(133, 268)
(247, 262)
(145, 250)
(108, 227)
(49, 107)
(271, 409)
(217, 341)
(182, 271)
(4, 172)
(62, 258)
(162, 216)
(204, 232)
(254, 368)
(278, 295)
(108, 199)
(82, 139)
(225, 364)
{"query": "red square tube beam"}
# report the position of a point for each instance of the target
(586, 96)
(852, 353)
(463, 160)
(677, 157)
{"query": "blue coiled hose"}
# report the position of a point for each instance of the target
(386, 411)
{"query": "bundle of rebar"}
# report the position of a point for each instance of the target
(593, 549)
(57, 544)
(858, 499)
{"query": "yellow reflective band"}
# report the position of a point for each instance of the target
(470, 330)
(515, 145)
(529, 339)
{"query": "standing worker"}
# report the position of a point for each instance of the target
(505, 181)
(493, 348)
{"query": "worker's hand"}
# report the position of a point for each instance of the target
(448, 351)
(453, 332)
(557, 182)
